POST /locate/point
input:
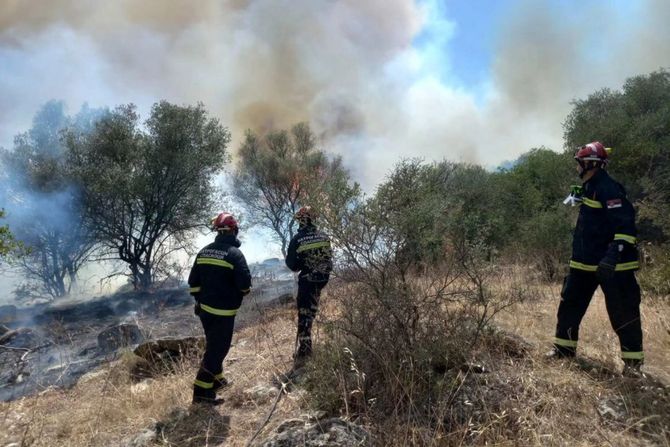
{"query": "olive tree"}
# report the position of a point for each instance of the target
(283, 170)
(148, 186)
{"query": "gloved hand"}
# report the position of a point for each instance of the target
(196, 308)
(607, 265)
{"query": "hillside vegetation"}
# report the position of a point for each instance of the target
(441, 304)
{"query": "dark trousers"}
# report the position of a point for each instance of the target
(218, 336)
(622, 299)
(308, 306)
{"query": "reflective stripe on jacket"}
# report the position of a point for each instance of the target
(311, 254)
(605, 217)
(220, 276)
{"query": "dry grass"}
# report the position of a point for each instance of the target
(570, 393)
(522, 401)
(106, 407)
(535, 320)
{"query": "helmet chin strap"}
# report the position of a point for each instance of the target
(587, 166)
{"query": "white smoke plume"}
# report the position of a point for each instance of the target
(350, 68)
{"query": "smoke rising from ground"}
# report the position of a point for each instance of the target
(351, 68)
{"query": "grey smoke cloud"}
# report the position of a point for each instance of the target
(348, 67)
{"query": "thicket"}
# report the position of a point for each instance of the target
(136, 191)
(421, 262)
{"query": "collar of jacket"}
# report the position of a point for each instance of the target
(597, 177)
(228, 239)
(307, 229)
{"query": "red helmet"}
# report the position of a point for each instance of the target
(225, 221)
(595, 151)
(304, 214)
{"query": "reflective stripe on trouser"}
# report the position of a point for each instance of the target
(626, 355)
(622, 299)
(308, 306)
(218, 336)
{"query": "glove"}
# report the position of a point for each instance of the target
(196, 308)
(607, 265)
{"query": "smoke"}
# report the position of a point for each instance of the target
(43, 208)
(353, 69)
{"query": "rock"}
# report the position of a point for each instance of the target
(261, 393)
(119, 336)
(139, 388)
(174, 347)
(612, 409)
(142, 439)
(160, 356)
(334, 432)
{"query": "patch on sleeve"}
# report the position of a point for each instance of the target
(614, 203)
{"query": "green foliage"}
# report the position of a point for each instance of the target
(635, 122)
(147, 187)
(544, 240)
(8, 244)
(433, 207)
(282, 171)
(655, 276)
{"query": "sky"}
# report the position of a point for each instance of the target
(478, 81)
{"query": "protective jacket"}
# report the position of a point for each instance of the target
(220, 276)
(310, 253)
(606, 225)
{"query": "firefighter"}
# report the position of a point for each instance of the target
(603, 253)
(218, 281)
(309, 253)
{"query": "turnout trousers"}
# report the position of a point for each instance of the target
(622, 299)
(218, 337)
(309, 294)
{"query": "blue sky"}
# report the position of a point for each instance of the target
(468, 49)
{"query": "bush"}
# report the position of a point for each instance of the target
(655, 272)
(404, 328)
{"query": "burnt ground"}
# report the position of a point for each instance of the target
(53, 345)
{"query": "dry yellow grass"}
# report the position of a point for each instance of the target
(569, 393)
(106, 407)
(535, 320)
(542, 403)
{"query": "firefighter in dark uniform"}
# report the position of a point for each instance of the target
(309, 253)
(218, 281)
(603, 253)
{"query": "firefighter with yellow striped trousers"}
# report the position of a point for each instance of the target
(603, 253)
(309, 253)
(218, 281)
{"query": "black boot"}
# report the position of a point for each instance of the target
(560, 353)
(631, 369)
(220, 383)
(209, 399)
